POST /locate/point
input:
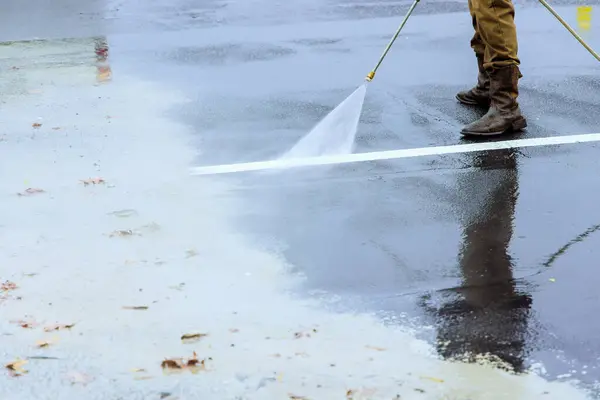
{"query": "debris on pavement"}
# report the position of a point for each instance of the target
(123, 233)
(31, 192)
(8, 285)
(299, 335)
(294, 397)
(135, 307)
(36, 125)
(92, 181)
(25, 324)
(16, 367)
(179, 364)
(45, 343)
(192, 337)
(58, 327)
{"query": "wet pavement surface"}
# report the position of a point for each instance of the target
(492, 252)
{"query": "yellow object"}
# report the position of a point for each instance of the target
(567, 27)
(584, 17)
(371, 74)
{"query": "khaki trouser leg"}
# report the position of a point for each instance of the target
(476, 42)
(495, 29)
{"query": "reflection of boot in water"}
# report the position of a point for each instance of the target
(488, 316)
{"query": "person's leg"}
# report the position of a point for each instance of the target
(496, 26)
(478, 95)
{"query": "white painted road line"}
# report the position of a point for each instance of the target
(394, 154)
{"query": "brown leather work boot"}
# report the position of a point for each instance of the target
(480, 94)
(504, 114)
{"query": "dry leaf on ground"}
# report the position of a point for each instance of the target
(45, 343)
(93, 181)
(8, 285)
(31, 192)
(16, 367)
(25, 324)
(36, 125)
(58, 327)
(193, 364)
(135, 307)
(193, 337)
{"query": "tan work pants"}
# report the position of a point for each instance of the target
(495, 32)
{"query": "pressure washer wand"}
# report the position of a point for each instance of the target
(371, 74)
(562, 21)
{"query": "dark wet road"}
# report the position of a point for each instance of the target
(464, 243)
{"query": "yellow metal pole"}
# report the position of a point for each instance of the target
(371, 74)
(562, 21)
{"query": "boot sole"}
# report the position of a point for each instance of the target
(517, 125)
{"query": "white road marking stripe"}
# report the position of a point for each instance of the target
(394, 154)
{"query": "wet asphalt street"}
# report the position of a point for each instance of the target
(490, 252)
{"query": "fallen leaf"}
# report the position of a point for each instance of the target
(350, 393)
(376, 348)
(45, 343)
(16, 367)
(192, 337)
(135, 307)
(30, 192)
(193, 364)
(8, 285)
(58, 327)
(93, 181)
(36, 125)
(25, 324)
(172, 364)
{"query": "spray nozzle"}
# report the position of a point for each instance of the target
(370, 76)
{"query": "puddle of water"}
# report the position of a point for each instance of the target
(335, 134)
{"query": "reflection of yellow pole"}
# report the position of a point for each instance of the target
(584, 17)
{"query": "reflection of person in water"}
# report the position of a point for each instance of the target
(490, 316)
